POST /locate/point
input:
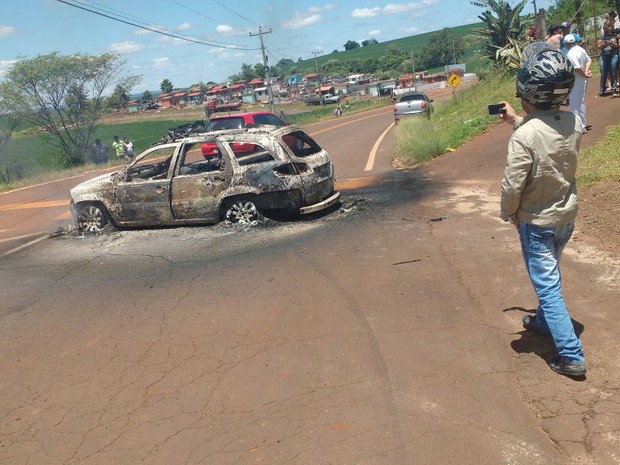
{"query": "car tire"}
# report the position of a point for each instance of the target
(242, 211)
(90, 217)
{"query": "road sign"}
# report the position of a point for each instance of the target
(454, 80)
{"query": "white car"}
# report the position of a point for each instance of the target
(252, 170)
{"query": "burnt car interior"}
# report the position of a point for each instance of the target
(249, 154)
(193, 161)
(154, 166)
(301, 144)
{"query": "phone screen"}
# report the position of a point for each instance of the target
(496, 108)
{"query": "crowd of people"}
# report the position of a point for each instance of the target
(561, 37)
(123, 149)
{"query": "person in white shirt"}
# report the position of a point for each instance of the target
(581, 62)
(128, 147)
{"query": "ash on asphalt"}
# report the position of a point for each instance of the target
(349, 206)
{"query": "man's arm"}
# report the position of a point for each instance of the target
(518, 166)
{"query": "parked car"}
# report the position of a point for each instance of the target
(239, 121)
(413, 105)
(253, 170)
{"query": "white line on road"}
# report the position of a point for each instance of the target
(23, 246)
(373, 153)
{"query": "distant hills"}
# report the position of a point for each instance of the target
(414, 42)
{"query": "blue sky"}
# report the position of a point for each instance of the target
(299, 28)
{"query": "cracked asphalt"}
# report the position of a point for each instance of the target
(386, 332)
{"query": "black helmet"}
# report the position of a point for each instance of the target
(545, 77)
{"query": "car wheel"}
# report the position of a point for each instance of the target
(91, 218)
(242, 212)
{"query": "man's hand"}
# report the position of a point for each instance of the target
(508, 115)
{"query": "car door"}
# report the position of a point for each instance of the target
(198, 184)
(143, 192)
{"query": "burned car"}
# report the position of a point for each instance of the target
(252, 171)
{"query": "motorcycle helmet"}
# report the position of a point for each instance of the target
(545, 77)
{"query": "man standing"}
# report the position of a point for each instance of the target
(555, 36)
(581, 62)
(118, 147)
(539, 193)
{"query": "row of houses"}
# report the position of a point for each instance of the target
(295, 86)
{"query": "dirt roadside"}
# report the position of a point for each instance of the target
(581, 418)
(599, 206)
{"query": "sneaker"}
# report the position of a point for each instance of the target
(529, 322)
(560, 365)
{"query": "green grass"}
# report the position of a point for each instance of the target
(455, 121)
(28, 157)
(600, 162)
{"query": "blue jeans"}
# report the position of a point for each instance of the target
(542, 248)
(609, 66)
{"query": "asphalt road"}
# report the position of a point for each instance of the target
(385, 332)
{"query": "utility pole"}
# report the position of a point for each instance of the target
(265, 61)
(413, 71)
(535, 11)
(318, 76)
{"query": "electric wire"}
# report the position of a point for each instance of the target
(156, 29)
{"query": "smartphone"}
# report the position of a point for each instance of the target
(496, 109)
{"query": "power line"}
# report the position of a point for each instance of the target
(196, 11)
(235, 13)
(158, 30)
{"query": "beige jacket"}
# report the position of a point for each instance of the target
(539, 184)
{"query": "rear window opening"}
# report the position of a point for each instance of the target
(301, 144)
(225, 123)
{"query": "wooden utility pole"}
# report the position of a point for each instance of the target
(318, 76)
(265, 64)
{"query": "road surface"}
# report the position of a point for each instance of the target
(387, 332)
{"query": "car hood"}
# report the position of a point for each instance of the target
(92, 186)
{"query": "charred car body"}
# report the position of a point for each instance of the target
(252, 170)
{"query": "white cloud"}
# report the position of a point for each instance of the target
(226, 53)
(308, 17)
(366, 12)
(392, 8)
(6, 31)
(171, 40)
(126, 47)
(410, 30)
(5, 65)
(301, 20)
(374, 33)
(184, 26)
(163, 62)
(224, 29)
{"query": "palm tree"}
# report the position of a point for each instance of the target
(503, 25)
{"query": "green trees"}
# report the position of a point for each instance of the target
(350, 45)
(119, 98)
(166, 86)
(504, 26)
(443, 47)
(63, 96)
(147, 96)
(366, 43)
